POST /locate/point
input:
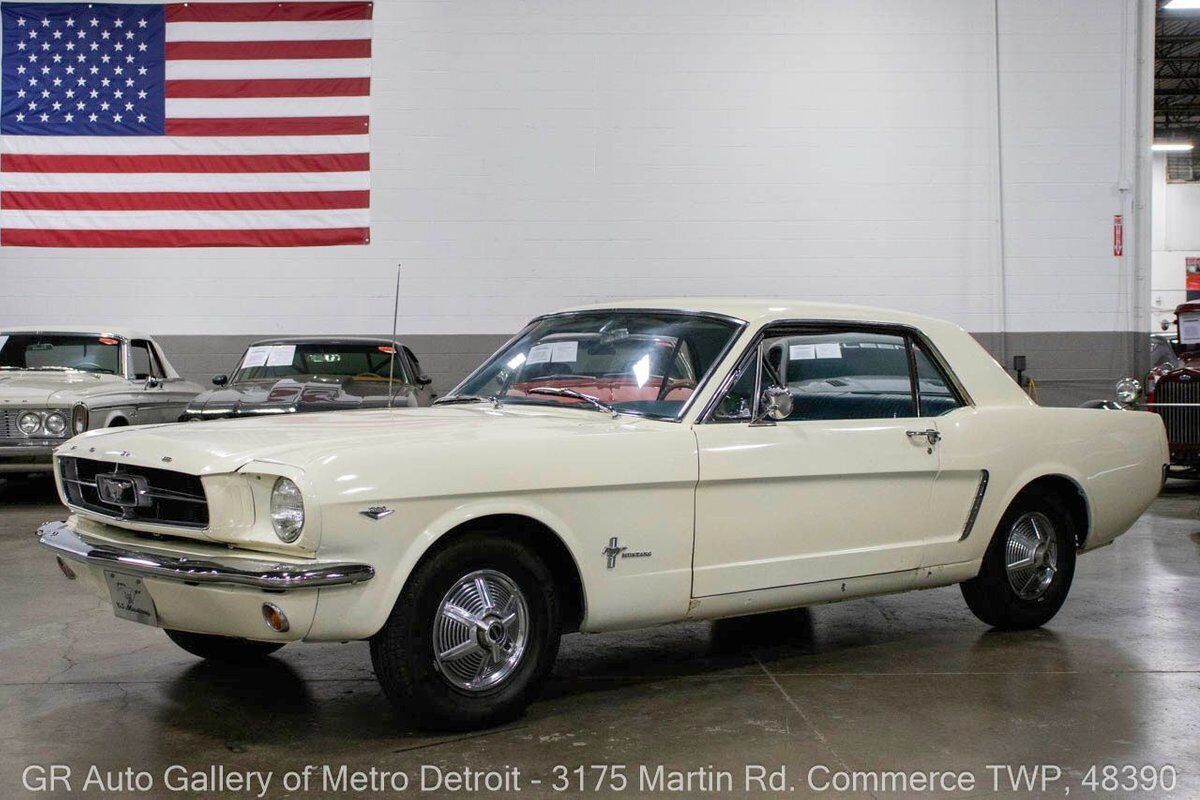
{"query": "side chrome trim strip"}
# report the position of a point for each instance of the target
(269, 575)
(979, 493)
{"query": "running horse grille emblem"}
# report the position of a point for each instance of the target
(123, 491)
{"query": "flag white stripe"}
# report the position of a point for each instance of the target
(183, 220)
(267, 31)
(122, 183)
(181, 145)
(210, 107)
(250, 69)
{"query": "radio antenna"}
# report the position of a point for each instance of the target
(394, 347)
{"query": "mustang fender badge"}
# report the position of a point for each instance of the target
(377, 512)
(616, 550)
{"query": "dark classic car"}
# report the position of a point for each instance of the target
(1171, 389)
(300, 374)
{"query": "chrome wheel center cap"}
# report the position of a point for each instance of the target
(495, 632)
(1031, 555)
(480, 631)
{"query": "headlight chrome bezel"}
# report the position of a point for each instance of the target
(1128, 390)
(36, 423)
(29, 423)
(55, 423)
(287, 510)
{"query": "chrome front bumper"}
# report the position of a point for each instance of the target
(26, 456)
(269, 575)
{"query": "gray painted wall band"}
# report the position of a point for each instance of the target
(1069, 367)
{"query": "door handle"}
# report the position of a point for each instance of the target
(930, 435)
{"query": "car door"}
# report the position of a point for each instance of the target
(149, 384)
(839, 487)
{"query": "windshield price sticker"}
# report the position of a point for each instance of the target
(1189, 328)
(809, 352)
(281, 355)
(255, 357)
(557, 352)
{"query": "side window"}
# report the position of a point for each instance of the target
(937, 397)
(145, 363)
(831, 375)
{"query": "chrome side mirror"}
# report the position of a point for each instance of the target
(775, 404)
(153, 383)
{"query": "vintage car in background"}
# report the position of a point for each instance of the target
(610, 467)
(1171, 390)
(278, 376)
(58, 382)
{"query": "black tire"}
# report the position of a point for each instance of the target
(224, 649)
(991, 595)
(402, 652)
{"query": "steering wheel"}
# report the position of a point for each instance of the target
(89, 366)
(369, 376)
(669, 386)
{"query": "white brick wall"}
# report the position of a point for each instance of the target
(530, 155)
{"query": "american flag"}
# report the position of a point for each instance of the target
(185, 124)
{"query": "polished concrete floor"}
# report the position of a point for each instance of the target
(909, 682)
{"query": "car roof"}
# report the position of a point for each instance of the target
(85, 330)
(324, 340)
(763, 309)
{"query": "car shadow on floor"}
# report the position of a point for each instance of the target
(271, 702)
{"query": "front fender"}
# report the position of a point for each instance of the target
(362, 611)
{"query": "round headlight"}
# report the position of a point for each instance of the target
(287, 510)
(56, 424)
(29, 423)
(1128, 390)
(79, 418)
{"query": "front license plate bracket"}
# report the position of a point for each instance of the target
(130, 599)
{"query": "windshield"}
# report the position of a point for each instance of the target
(364, 362)
(59, 351)
(639, 362)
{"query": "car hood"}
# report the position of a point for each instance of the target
(289, 394)
(34, 388)
(226, 445)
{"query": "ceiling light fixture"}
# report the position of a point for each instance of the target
(1182, 5)
(1172, 147)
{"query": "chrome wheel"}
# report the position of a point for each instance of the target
(1031, 555)
(480, 631)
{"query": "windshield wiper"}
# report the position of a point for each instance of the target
(587, 398)
(468, 398)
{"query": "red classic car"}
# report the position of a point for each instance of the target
(1172, 390)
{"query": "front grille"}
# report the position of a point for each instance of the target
(164, 497)
(8, 424)
(1182, 422)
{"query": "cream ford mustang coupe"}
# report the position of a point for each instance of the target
(609, 468)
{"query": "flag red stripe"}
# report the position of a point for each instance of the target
(271, 87)
(327, 162)
(266, 126)
(273, 237)
(182, 201)
(224, 51)
(266, 12)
